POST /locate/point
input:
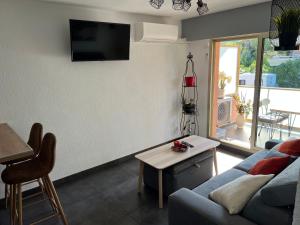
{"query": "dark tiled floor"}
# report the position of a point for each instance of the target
(106, 197)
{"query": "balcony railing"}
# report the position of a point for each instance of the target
(280, 98)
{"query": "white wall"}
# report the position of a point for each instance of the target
(99, 111)
(201, 51)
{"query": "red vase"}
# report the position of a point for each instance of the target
(190, 81)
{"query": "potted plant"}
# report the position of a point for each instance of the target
(244, 108)
(189, 107)
(288, 25)
(223, 81)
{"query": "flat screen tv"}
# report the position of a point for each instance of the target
(98, 41)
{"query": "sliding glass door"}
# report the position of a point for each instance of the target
(232, 90)
(278, 114)
(254, 92)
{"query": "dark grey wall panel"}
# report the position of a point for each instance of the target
(246, 20)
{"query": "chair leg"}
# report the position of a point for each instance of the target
(6, 195)
(11, 204)
(53, 192)
(20, 205)
(262, 125)
(49, 195)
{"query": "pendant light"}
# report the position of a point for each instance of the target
(184, 5)
(156, 3)
(187, 5)
(202, 7)
(178, 4)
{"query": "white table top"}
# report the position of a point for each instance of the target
(163, 157)
(289, 111)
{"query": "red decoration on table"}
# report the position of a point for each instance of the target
(179, 147)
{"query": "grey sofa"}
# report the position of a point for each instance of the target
(271, 205)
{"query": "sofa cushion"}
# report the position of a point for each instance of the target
(290, 147)
(248, 163)
(218, 181)
(235, 194)
(272, 165)
(257, 211)
(281, 190)
(275, 153)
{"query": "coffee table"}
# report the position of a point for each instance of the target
(163, 157)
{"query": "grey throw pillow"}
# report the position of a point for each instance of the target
(281, 190)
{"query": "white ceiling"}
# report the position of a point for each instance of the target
(143, 6)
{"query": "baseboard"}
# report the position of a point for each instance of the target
(234, 151)
(96, 169)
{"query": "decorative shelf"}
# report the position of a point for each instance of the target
(189, 124)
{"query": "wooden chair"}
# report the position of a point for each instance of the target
(34, 141)
(36, 168)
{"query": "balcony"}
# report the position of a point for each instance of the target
(279, 99)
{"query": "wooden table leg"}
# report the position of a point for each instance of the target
(216, 161)
(141, 175)
(160, 189)
(20, 205)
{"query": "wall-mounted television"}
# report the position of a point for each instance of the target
(99, 41)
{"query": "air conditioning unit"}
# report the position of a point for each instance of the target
(224, 111)
(154, 32)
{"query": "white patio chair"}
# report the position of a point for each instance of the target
(270, 120)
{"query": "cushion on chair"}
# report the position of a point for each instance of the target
(272, 165)
(235, 194)
(281, 190)
(290, 147)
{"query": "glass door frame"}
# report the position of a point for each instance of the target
(257, 86)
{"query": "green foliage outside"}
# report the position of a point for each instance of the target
(288, 73)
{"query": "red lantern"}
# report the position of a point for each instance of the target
(190, 81)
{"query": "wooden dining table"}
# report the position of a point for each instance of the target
(12, 146)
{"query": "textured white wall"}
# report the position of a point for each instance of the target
(201, 50)
(99, 111)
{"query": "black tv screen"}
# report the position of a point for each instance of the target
(98, 41)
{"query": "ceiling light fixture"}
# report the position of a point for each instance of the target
(184, 5)
(156, 3)
(178, 4)
(202, 7)
(187, 5)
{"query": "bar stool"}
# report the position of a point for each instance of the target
(34, 141)
(37, 168)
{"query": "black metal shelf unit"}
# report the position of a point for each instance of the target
(189, 124)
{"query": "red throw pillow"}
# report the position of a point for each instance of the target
(291, 147)
(272, 165)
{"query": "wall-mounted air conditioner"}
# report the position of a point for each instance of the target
(154, 32)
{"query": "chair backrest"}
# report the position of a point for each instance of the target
(35, 137)
(264, 105)
(46, 156)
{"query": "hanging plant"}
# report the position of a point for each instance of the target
(285, 25)
(288, 25)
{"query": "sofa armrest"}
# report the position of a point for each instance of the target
(272, 143)
(188, 208)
